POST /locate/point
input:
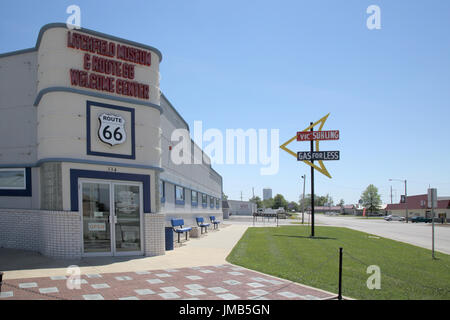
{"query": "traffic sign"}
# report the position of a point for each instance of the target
(318, 135)
(317, 155)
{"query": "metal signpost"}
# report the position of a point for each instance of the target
(308, 157)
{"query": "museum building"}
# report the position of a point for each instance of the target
(85, 164)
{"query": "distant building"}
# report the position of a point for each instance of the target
(241, 208)
(418, 206)
(267, 193)
(348, 209)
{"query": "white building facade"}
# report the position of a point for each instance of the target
(85, 149)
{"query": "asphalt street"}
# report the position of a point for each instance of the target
(419, 234)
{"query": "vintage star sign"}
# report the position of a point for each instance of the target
(321, 168)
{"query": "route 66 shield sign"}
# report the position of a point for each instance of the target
(112, 129)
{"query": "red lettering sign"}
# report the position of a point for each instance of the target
(103, 69)
(317, 135)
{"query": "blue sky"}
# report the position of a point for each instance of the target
(280, 65)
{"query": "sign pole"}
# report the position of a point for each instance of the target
(432, 231)
(432, 202)
(312, 186)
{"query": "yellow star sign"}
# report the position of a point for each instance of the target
(321, 168)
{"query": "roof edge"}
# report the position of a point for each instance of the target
(89, 31)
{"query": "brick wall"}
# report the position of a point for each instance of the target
(154, 234)
(52, 233)
(58, 233)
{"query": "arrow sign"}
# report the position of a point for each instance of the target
(318, 135)
(317, 155)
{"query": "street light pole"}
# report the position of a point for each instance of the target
(406, 197)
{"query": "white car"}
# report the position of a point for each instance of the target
(394, 218)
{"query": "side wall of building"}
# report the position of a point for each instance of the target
(197, 176)
(18, 123)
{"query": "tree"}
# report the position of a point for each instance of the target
(257, 200)
(319, 201)
(293, 206)
(279, 202)
(370, 198)
(224, 197)
(341, 203)
(268, 203)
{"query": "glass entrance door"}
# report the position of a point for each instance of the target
(127, 208)
(96, 204)
(111, 213)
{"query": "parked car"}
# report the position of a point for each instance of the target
(421, 219)
(330, 213)
(394, 218)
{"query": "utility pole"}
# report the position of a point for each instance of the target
(406, 198)
(253, 191)
(391, 194)
(241, 195)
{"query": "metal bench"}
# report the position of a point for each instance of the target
(214, 221)
(177, 226)
(201, 223)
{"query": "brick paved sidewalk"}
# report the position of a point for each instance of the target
(221, 282)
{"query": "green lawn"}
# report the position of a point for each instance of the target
(407, 271)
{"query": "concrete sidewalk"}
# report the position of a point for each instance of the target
(211, 249)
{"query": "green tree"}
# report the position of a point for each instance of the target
(279, 202)
(370, 198)
(293, 206)
(341, 203)
(268, 203)
(257, 200)
(319, 201)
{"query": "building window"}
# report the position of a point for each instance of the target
(15, 182)
(194, 198)
(179, 195)
(162, 190)
(211, 202)
(12, 179)
(204, 200)
(217, 203)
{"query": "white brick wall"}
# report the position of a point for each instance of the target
(57, 233)
(52, 233)
(154, 234)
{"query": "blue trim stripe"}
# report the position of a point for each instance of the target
(75, 174)
(74, 160)
(95, 95)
